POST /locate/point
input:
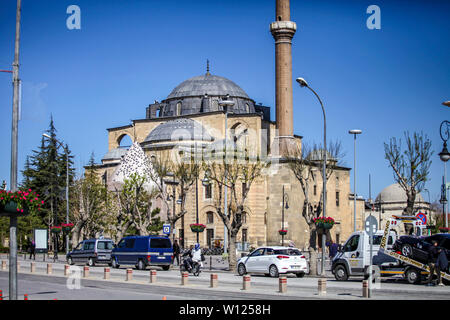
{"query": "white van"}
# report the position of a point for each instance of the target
(353, 258)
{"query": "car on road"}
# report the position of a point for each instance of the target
(416, 248)
(91, 251)
(143, 251)
(274, 261)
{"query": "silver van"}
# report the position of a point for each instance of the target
(91, 252)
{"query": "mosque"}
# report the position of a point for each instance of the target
(194, 113)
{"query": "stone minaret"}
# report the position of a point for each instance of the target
(283, 31)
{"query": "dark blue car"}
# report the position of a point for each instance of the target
(143, 251)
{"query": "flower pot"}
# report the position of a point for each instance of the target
(319, 225)
(327, 225)
(282, 232)
(197, 228)
(10, 209)
(55, 230)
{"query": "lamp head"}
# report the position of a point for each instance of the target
(446, 103)
(46, 135)
(302, 82)
(444, 154)
(355, 131)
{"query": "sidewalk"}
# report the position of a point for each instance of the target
(211, 264)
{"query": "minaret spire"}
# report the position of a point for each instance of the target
(283, 31)
(207, 68)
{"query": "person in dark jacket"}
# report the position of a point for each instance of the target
(33, 250)
(176, 252)
(442, 263)
(433, 255)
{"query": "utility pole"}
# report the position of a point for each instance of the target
(13, 182)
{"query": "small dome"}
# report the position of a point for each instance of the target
(207, 84)
(178, 129)
(395, 193)
(115, 154)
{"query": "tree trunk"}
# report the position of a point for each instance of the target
(76, 232)
(232, 252)
(312, 262)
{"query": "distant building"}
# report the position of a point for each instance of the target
(392, 200)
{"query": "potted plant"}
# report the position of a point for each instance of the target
(324, 223)
(67, 227)
(282, 232)
(197, 227)
(56, 229)
(19, 203)
(444, 229)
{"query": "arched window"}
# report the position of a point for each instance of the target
(124, 141)
(178, 111)
(209, 217)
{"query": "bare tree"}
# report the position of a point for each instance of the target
(237, 176)
(88, 209)
(184, 170)
(411, 166)
(135, 204)
(304, 161)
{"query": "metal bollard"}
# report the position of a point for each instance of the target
(184, 278)
(322, 287)
(32, 267)
(106, 273)
(210, 262)
(214, 280)
(152, 276)
(282, 284)
(49, 268)
(129, 276)
(3, 265)
(85, 272)
(365, 288)
(66, 270)
(246, 282)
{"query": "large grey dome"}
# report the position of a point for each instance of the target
(178, 129)
(207, 84)
(203, 94)
(395, 193)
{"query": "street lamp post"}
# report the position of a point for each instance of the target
(67, 187)
(285, 205)
(303, 83)
(444, 155)
(354, 132)
(225, 104)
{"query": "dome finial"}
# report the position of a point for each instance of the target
(207, 68)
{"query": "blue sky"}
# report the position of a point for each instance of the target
(130, 53)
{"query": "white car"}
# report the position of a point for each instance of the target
(274, 261)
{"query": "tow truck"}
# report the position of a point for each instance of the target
(354, 258)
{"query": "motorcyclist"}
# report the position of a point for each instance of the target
(197, 254)
(187, 258)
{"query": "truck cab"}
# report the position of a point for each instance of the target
(354, 257)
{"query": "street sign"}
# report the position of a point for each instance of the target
(166, 228)
(422, 217)
(371, 225)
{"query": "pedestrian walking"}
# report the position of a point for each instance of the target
(33, 250)
(433, 255)
(333, 249)
(442, 263)
(176, 252)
